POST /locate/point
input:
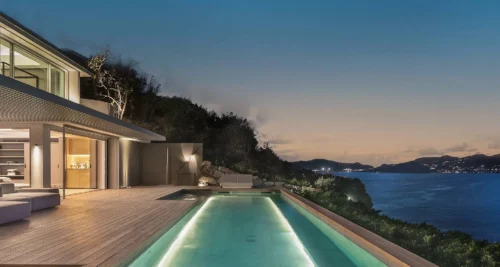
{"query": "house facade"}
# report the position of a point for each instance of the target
(49, 135)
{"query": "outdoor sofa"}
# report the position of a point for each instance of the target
(18, 205)
(236, 181)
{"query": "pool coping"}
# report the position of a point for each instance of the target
(382, 249)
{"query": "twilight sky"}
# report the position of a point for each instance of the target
(370, 81)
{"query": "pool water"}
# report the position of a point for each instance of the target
(253, 230)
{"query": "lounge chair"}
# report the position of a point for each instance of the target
(236, 181)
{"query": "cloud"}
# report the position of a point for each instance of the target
(279, 141)
(408, 150)
(430, 151)
(464, 147)
(215, 99)
(494, 146)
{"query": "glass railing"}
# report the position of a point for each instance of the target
(27, 75)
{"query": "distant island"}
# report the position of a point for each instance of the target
(327, 166)
(478, 163)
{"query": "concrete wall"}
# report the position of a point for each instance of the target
(171, 163)
(73, 86)
(154, 164)
(113, 163)
(184, 163)
(101, 106)
(130, 162)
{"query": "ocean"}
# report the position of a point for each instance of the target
(465, 202)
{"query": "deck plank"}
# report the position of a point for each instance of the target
(95, 228)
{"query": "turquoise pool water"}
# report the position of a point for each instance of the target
(253, 230)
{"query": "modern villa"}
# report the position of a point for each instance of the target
(50, 137)
(132, 199)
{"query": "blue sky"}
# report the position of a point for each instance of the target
(370, 81)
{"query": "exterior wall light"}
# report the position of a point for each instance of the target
(188, 159)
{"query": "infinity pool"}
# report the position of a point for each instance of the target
(253, 230)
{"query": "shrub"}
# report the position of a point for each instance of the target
(452, 248)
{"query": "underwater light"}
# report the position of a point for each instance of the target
(295, 238)
(176, 244)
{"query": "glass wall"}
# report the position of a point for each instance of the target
(5, 50)
(80, 162)
(29, 69)
(56, 81)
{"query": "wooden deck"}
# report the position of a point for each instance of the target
(100, 228)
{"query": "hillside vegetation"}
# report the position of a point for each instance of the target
(228, 140)
(450, 249)
(231, 141)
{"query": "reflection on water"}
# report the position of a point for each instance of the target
(465, 202)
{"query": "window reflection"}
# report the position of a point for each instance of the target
(29, 69)
(5, 50)
(57, 81)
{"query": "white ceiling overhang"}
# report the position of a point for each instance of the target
(22, 103)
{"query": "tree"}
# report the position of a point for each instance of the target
(114, 87)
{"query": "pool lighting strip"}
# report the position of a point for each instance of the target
(295, 238)
(176, 244)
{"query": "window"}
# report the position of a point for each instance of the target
(29, 69)
(5, 50)
(56, 81)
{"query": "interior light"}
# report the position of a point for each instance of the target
(130, 139)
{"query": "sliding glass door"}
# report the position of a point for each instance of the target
(80, 162)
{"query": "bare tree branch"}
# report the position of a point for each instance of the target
(113, 87)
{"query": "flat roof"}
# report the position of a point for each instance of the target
(22, 103)
(39, 40)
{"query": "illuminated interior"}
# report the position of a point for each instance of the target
(14, 156)
(31, 69)
(79, 167)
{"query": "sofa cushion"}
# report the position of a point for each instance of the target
(15, 197)
(41, 200)
(38, 190)
(11, 211)
(7, 188)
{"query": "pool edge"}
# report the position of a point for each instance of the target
(143, 246)
(382, 249)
